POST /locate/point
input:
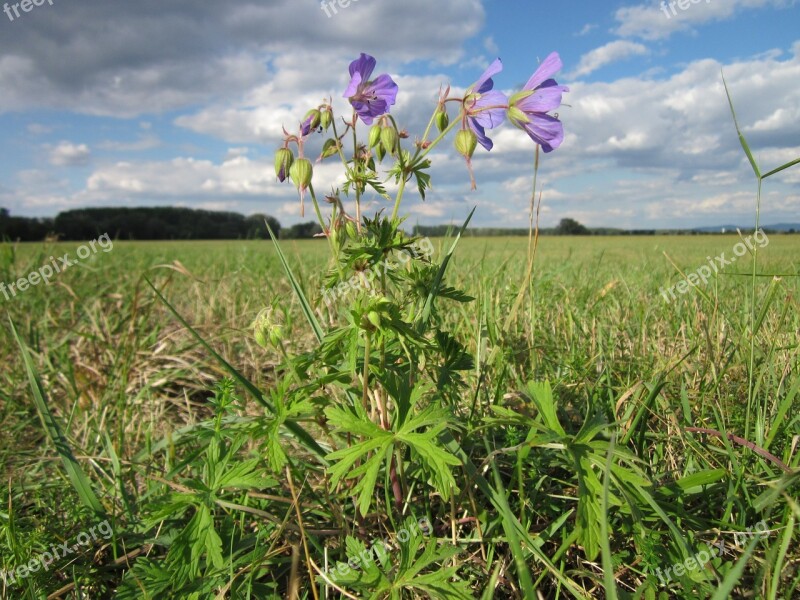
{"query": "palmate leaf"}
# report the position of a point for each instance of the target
(434, 458)
(438, 582)
(376, 440)
(377, 573)
(375, 450)
(199, 539)
(147, 578)
(423, 178)
(245, 475)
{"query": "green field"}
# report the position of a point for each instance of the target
(123, 376)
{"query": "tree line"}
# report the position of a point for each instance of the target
(148, 223)
(171, 223)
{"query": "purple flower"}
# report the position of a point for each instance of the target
(485, 108)
(528, 108)
(370, 99)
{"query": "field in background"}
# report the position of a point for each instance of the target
(114, 361)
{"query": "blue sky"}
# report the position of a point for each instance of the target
(107, 102)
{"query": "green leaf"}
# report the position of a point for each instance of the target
(609, 581)
(244, 476)
(298, 290)
(589, 506)
(696, 482)
(542, 396)
(423, 179)
(782, 167)
(742, 140)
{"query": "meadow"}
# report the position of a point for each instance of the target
(570, 401)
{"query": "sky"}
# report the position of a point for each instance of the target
(183, 102)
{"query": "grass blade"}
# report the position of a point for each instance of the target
(426, 311)
(782, 167)
(742, 140)
(76, 475)
(304, 304)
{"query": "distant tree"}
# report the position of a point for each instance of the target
(160, 223)
(571, 227)
(302, 231)
(256, 230)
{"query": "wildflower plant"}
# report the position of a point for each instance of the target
(385, 379)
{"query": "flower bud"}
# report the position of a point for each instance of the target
(313, 118)
(301, 173)
(442, 120)
(268, 328)
(283, 162)
(375, 318)
(389, 140)
(350, 228)
(466, 142)
(374, 135)
(325, 117)
(380, 152)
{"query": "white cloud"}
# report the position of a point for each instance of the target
(91, 59)
(145, 142)
(67, 154)
(659, 20)
(605, 55)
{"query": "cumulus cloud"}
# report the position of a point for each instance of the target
(90, 57)
(67, 154)
(659, 20)
(640, 151)
(605, 55)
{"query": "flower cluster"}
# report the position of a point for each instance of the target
(482, 108)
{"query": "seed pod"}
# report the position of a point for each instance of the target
(389, 140)
(374, 135)
(442, 120)
(466, 142)
(325, 117)
(301, 173)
